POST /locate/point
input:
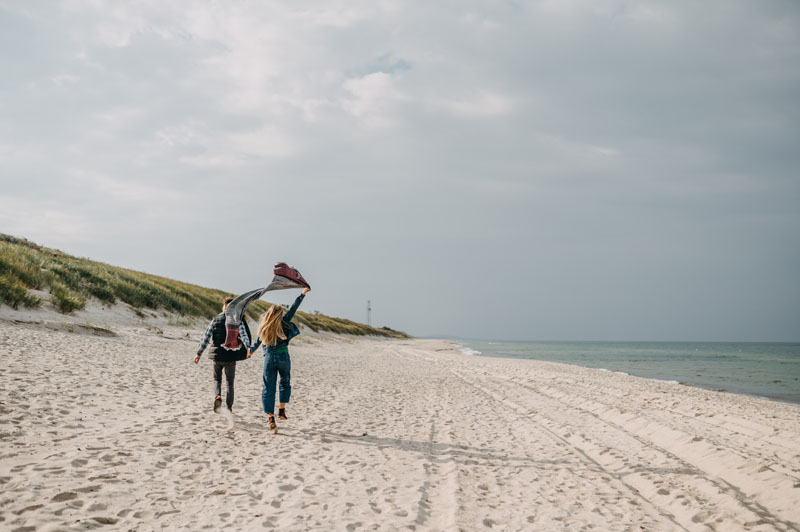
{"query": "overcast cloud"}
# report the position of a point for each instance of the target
(560, 169)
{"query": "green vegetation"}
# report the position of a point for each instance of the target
(72, 280)
(14, 293)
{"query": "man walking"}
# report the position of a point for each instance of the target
(224, 359)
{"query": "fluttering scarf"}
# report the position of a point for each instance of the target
(285, 277)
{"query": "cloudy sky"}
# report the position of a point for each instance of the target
(556, 169)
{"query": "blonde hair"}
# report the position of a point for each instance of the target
(270, 328)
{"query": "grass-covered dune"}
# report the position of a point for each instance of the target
(26, 266)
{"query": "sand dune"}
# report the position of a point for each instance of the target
(117, 432)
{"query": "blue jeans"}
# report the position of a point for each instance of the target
(276, 363)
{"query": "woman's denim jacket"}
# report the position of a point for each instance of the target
(290, 330)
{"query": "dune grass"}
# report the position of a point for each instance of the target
(71, 281)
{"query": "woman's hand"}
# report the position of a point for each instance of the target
(249, 354)
(306, 290)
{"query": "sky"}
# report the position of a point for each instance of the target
(540, 170)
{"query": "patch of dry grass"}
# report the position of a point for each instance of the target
(70, 280)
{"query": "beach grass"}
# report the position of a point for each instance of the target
(71, 281)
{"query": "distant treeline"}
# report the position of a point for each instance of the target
(71, 280)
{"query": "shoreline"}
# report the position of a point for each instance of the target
(790, 397)
(382, 434)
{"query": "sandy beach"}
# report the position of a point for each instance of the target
(115, 430)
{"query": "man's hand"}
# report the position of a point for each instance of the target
(197, 359)
(306, 290)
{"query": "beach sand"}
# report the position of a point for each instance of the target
(117, 432)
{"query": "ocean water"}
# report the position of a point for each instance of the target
(763, 369)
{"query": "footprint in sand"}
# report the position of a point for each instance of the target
(29, 509)
(701, 516)
(106, 520)
(19, 468)
(66, 496)
(89, 489)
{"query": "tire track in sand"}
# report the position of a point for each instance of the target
(489, 483)
(673, 485)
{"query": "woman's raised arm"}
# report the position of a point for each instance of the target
(290, 313)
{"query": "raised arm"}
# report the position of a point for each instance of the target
(290, 313)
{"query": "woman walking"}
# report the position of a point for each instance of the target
(275, 330)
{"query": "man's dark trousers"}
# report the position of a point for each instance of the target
(230, 374)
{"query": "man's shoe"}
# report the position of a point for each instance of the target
(273, 427)
(282, 413)
(217, 404)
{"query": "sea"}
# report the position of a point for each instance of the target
(770, 370)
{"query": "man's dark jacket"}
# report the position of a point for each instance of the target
(218, 352)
